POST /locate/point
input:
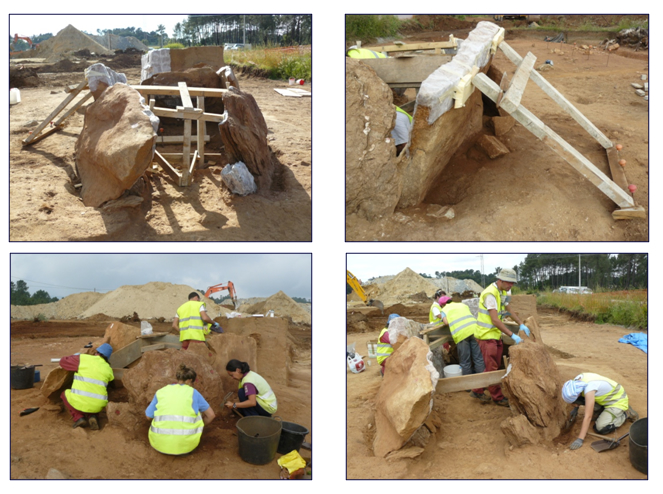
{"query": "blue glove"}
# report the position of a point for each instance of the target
(576, 444)
(516, 338)
(524, 328)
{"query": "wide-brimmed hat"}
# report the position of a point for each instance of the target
(507, 275)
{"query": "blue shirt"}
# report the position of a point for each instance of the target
(199, 404)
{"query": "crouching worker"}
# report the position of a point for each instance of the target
(604, 400)
(178, 413)
(384, 348)
(88, 395)
(255, 395)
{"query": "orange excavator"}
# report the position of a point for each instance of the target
(12, 46)
(231, 291)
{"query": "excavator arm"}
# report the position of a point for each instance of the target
(231, 291)
(357, 288)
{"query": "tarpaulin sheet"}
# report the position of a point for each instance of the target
(638, 340)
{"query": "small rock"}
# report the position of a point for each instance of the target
(643, 77)
(640, 92)
(369, 426)
(646, 98)
(54, 474)
(31, 123)
(16, 459)
(442, 212)
(636, 85)
(55, 92)
(646, 86)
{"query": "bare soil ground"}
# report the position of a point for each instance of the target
(45, 439)
(470, 444)
(531, 194)
(45, 207)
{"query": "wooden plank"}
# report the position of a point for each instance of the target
(192, 166)
(464, 88)
(200, 129)
(440, 341)
(28, 140)
(73, 109)
(150, 348)
(184, 94)
(171, 113)
(175, 91)
(461, 383)
(176, 139)
(71, 88)
(616, 170)
(159, 158)
(559, 145)
(45, 134)
(287, 92)
(629, 213)
(186, 154)
(511, 100)
(411, 70)
(553, 93)
(414, 46)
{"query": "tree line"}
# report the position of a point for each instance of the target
(20, 295)
(597, 271)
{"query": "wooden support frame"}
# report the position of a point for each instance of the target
(35, 136)
(472, 381)
(557, 144)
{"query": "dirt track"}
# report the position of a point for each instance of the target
(531, 193)
(470, 445)
(45, 439)
(45, 207)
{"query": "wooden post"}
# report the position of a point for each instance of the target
(200, 128)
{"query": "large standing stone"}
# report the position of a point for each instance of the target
(372, 171)
(405, 398)
(115, 146)
(119, 335)
(244, 135)
(157, 369)
(56, 382)
(533, 387)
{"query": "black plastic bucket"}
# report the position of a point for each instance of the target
(258, 438)
(292, 437)
(637, 445)
(22, 377)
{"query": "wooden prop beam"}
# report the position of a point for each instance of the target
(452, 43)
(192, 115)
(559, 145)
(511, 99)
(170, 169)
(556, 96)
(461, 383)
(177, 139)
(175, 91)
(200, 129)
(35, 133)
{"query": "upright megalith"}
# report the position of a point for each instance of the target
(405, 398)
(116, 145)
(244, 135)
(372, 170)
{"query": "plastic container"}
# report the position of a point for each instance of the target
(372, 349)
(37, 376)
(452, 371)
(291, 81)
(292, 437)
(300, 82)
(258, 439)
(22, 377)
(637, 445)
(14, 96)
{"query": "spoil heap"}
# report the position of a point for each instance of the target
(282, 305)
(67, 308)
(403, 286)
(66, 42)
(454, 285)
(120, 42)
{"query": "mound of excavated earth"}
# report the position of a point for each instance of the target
(68, 41)
(282, 305)
(405, 284)
(67, 308)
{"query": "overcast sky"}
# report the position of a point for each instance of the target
(254, 275)
(365, 266)
(31, 25)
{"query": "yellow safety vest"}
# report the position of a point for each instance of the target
(364, 53)
(615, 398)
(176, 429)
(88, 392)
(486, 330)
(461, 321)
(192, 326)
(384, 349)
(400, 110)
(265, 397)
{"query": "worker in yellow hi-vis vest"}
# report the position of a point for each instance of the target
(603, 398)
(192, 321)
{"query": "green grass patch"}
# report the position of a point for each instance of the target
(370, 26)
(276, 62)
(174, 46)
(625, 308)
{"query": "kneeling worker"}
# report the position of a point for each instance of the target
(463, 325)
(602, 397)
(88, 394)
(255, 395)
(178, 413)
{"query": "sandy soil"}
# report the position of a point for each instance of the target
(470, 444)
(45, 207)
(45, 439)
(531, 193)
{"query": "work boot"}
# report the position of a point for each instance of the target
(504, 402)
(81, 422)
(94, 424)
(483, 398)
(632, 415)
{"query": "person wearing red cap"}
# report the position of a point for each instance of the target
(88, 394)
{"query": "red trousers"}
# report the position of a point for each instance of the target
(492, 355)
(75, 414)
